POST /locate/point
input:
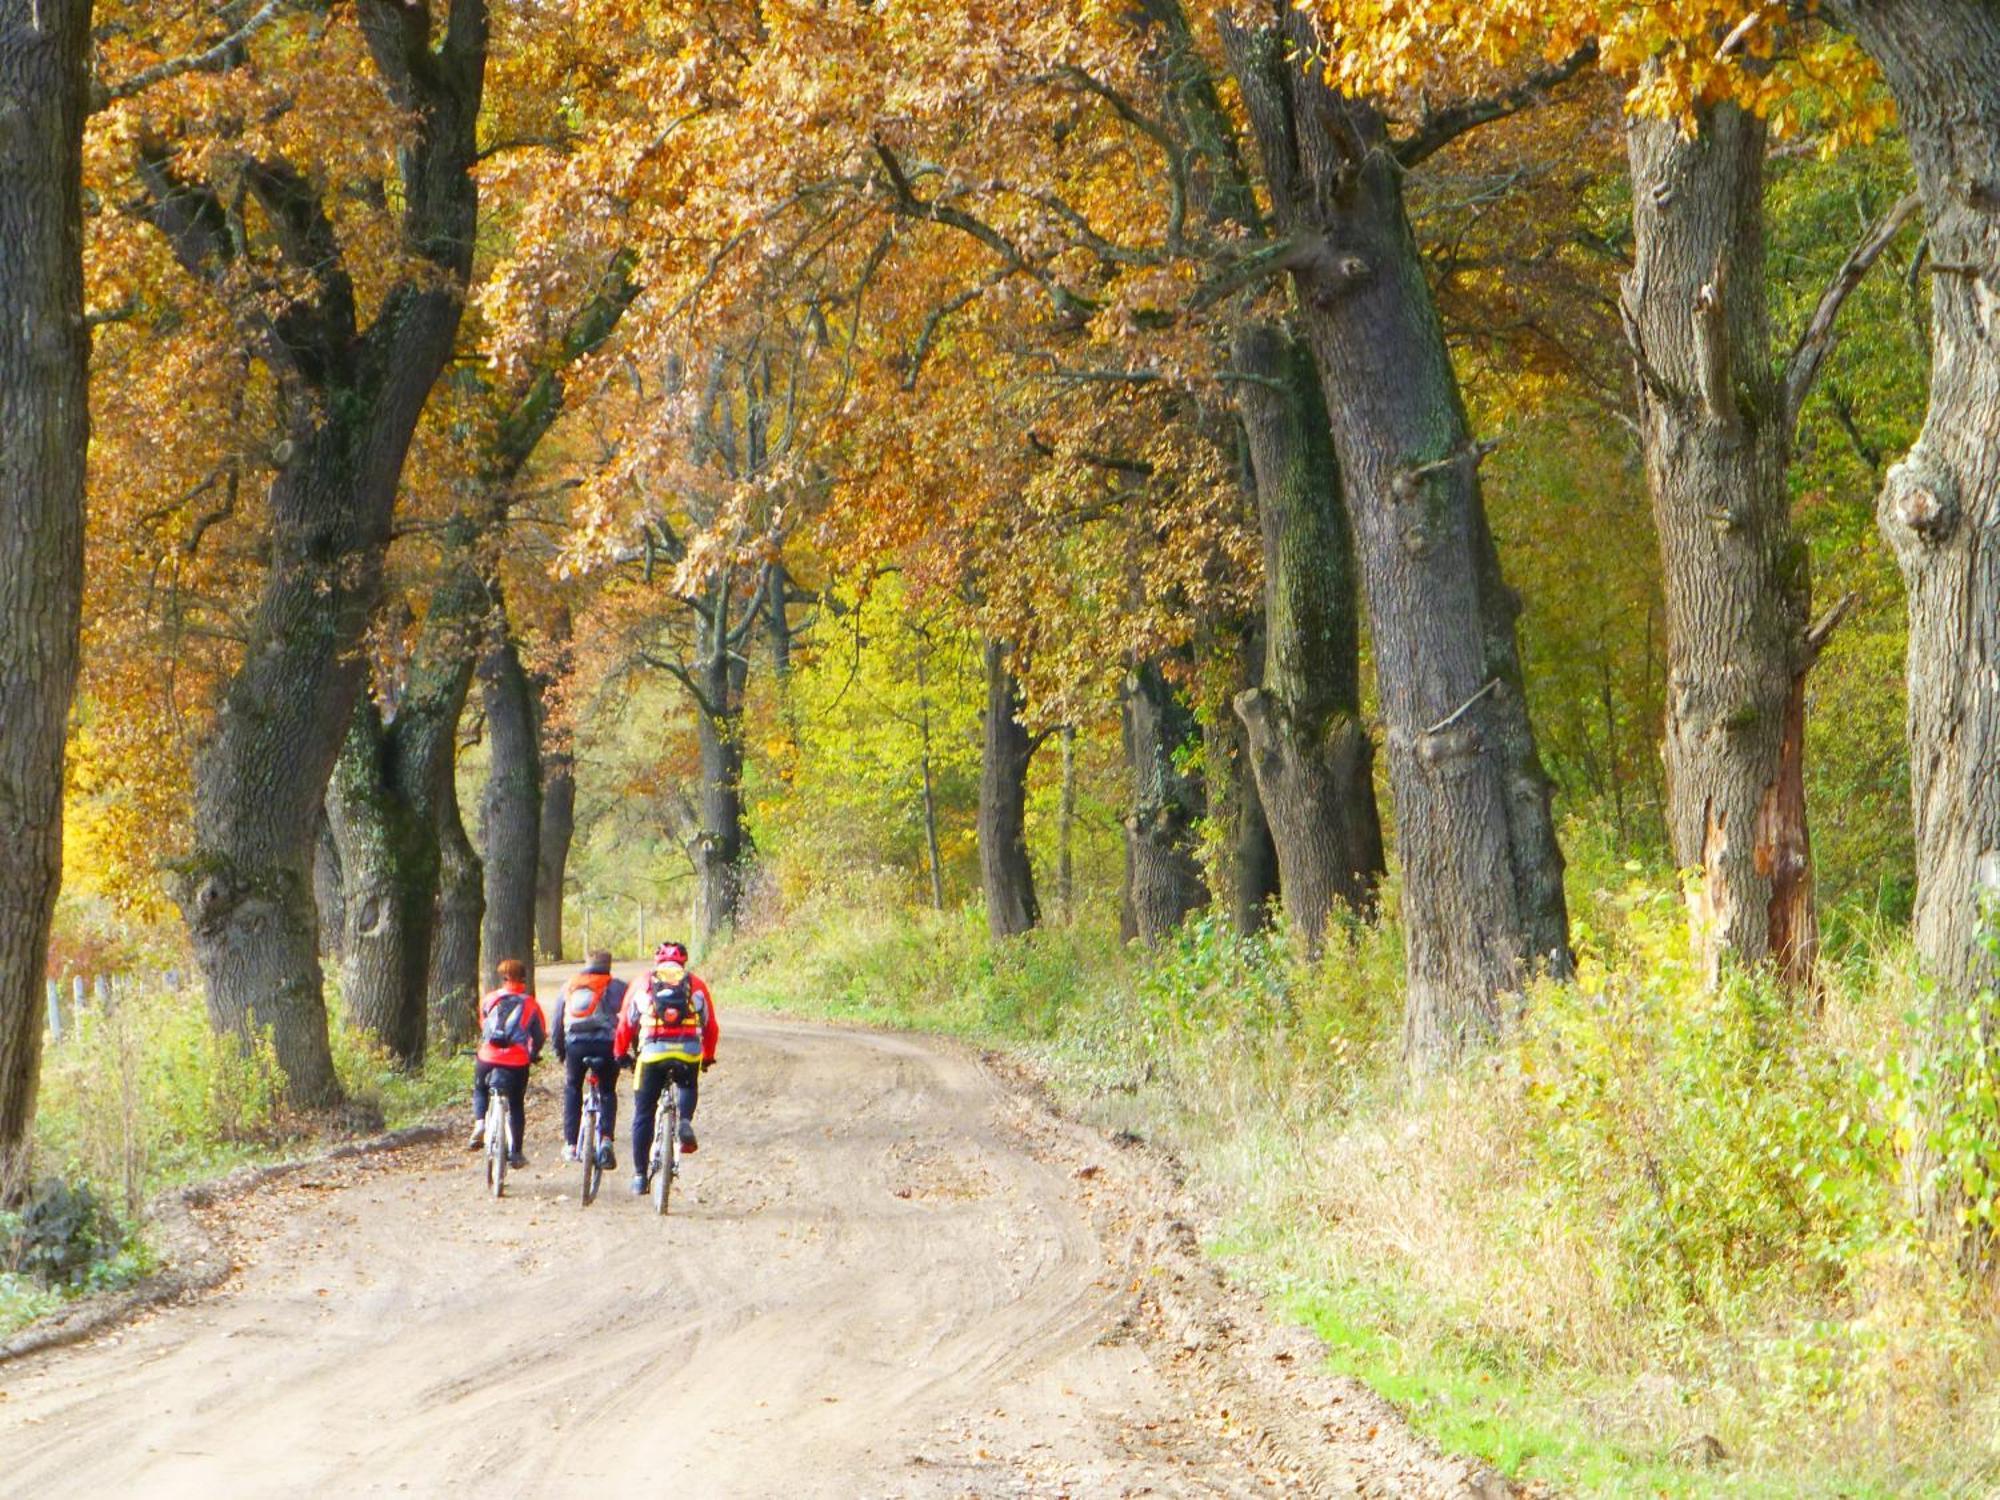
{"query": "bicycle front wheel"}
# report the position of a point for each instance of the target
(588, 1141)
(496, 1147)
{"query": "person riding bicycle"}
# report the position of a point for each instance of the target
(585, 1042)
(511, 1033)
(669, 1025)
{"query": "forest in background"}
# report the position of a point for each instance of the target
(1396, 589)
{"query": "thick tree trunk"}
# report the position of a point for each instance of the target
(558, 828)
(510, 823)
(1940, 507)
(558, 800)
(1736, 575)
(1483, 901)
(1308, 748)
(44, 435)
(720, 847)
(1007, 748)
(328, 900)
(1243, 876)
(383, 808)
(1162, 872)
(352, 399)
(453, 983)
(389, 859)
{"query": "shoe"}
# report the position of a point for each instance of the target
(517, 1161)
(638, 1184)
(570, 1153)
(606, 1157)
(477, 1140)
(689, 1145)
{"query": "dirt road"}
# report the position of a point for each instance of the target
(879, 1281)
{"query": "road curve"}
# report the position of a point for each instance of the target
(871, 1287)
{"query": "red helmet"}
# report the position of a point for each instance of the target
(671, 953)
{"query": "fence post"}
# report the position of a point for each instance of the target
(104, 993)
(76, 995)
(55, 1010)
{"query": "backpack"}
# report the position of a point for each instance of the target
(670, 1005)
(503, 1026)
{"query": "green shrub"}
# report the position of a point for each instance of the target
(58, 1233)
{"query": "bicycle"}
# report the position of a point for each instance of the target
(499, 1141)
(665, 1164)
(590, 1137)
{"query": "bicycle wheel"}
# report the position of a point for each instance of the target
(496, 1145)
(666, 1149)
(588, 1141)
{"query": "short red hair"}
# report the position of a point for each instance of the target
(512, 971)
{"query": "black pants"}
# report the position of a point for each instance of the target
(513, 1086)
(581, 1060)
(651, 1078)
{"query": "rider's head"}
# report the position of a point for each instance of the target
(671, 953)
(598, 963)
(512, 971)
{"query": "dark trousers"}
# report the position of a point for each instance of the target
(513, 1086)
(651, 1078)
(580, 1061)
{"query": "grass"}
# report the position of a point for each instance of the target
(1657, 1245)
(144, 1097)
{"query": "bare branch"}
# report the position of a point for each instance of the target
(1441, 127)
(224, 55)
(1817, 341)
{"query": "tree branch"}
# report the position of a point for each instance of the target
(1440, 128)
(1816, 342)
(224, 55)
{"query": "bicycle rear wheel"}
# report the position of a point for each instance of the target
(666, 1150)
(496, 1145)
(589, 1140)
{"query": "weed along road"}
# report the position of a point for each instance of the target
(875, 1283)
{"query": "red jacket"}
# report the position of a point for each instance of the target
(531, 1021)
(636, 998)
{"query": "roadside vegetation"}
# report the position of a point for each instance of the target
(1656, 1243)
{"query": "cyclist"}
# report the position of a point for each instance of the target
(669, 1024)
(586, 1030)
(511, 1033)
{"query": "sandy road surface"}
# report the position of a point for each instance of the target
(871, 1288)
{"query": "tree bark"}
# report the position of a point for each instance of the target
(328, 900)
(44, 436)
(511, 811)
(1007, 748)
(1162, 872)
(453, 982)
(1244, 874)
(558, 805)
(351, 400)
(1736, 575)
(383, 808)
(1483, 900)
(1066, 830)
(1308, 748)
(1940, 506)
(720, 847)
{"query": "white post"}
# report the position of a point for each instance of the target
(55, 1010)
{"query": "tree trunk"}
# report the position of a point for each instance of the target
(1940, 507)
(511, 811)
(1736, 575)
(1308, 748)
(558, 799)
(558, 828)
(1483, 901)
(383, 808)
(328, 901)
(351, 400)
(1006, 750)
(1244, 877)
(44, 435)
(453, 982)
(1162, 873)
(720, 846)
